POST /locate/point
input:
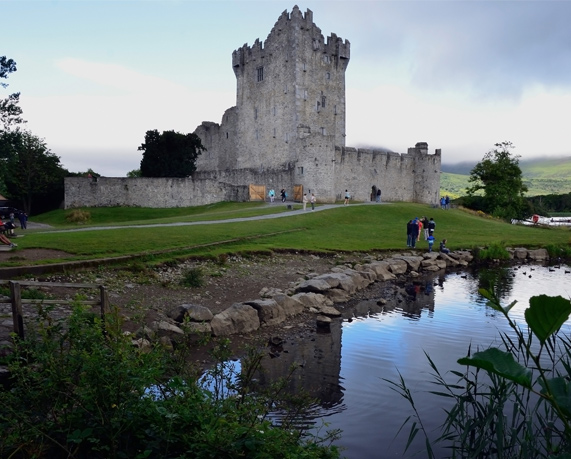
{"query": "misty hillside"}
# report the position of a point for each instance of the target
(541, 175)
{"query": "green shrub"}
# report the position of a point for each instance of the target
(495, 251)
(26, 293)
(192, 277)
(78, 216)
(79, 388)
(558, 251)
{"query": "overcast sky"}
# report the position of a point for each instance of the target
(95, 75)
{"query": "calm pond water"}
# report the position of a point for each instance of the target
(441, 315)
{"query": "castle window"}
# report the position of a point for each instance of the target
(305, 94)
(260, 73)
(322, 101)
(335, 109)
(274, 133)
(300, 170)
(326, 58)
(285, 88)
(318, 106)
(323, 131)
(328, 75)
(274, 111)
(255, 113)
(226, 135)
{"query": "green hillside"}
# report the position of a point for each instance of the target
(542, 176)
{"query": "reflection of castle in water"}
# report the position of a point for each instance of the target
(319, 355)
(319, 361)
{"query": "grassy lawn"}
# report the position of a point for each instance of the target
(353, 228)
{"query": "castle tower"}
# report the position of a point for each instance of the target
(289, 89)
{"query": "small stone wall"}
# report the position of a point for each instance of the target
(318, 294)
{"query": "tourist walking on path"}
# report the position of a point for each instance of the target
(347, 197)
(379, 195)
(305, 200)
(23, 217)
(312, 201)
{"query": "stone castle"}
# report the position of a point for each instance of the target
(287, 130)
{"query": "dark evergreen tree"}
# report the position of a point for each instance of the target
(33, 173)
(170, 154)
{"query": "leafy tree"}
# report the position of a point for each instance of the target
(32, 170)
(10, 112)
(170, 154)
(134, 173)
(500, 177)
(88, 173)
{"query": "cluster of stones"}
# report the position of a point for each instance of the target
(316, 295)
(523, 254)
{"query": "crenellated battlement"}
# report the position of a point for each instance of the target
(285, 34)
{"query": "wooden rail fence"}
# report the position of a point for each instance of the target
(17, 301)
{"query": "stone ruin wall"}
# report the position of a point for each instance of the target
(407, 177)
(201, 189)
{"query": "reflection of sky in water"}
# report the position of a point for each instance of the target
(382, 345)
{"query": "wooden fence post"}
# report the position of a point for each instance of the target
(17, 317)
(104, 301)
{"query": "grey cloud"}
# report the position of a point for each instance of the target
(483, 48)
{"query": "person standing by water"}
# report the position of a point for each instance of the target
(425, 226)
(431, 226)
(412, 233)
(430, 240)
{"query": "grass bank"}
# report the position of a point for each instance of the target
(367, 227)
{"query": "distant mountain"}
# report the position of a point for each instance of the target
(459, 168)
(541, 175)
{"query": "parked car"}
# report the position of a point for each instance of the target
(6, 211)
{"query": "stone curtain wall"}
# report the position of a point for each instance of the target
(408, 177)
(204, 188)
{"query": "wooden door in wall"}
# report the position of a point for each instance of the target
(298, 193)
(257, 192)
